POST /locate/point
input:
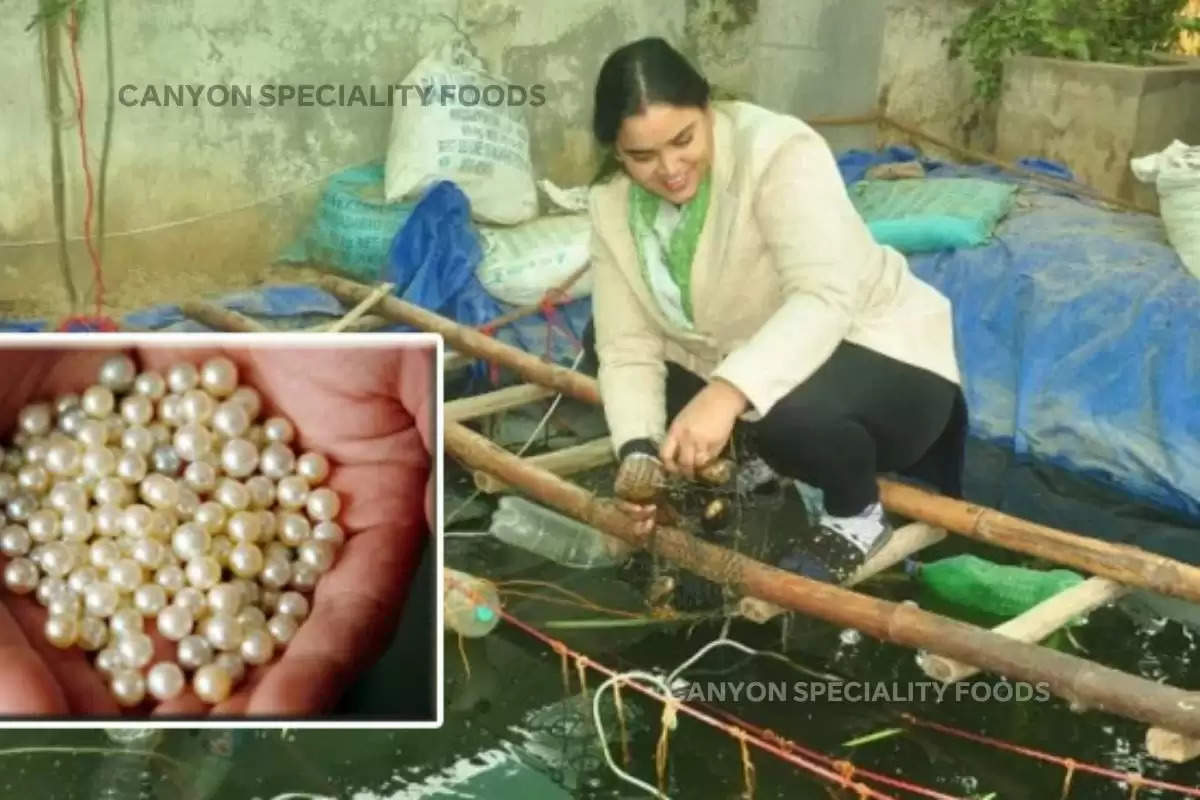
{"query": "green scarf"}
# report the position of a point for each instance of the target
(678, 253)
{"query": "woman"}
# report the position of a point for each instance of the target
(730, 264)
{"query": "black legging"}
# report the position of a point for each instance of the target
(861, 413)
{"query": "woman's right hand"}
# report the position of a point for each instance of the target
(643, 516)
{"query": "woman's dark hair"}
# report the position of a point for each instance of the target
(636, 75)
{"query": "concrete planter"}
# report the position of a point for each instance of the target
(1095, 117)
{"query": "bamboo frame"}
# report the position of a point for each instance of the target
(567, 461)
(492, 402)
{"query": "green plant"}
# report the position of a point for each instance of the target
(1114, 31)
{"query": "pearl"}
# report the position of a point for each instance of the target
(182, 377)
(104, 554)
(239, 458)
(49, 588)
(112, 491)
(249, 398)
(114, 427)
(194, 651)
(8, 486)
(165, 681)
(42, 526)
(223, 632)
(249, 589)
(278, 551)
(128, 687)
(232, 663)
(93, 634)
(190, 541)
(210, 516)
(282, 628)
(108, 660)
(278, 429)
(150, 384)
(126, 575)
(82, 577)
(70, 421)
(76, 526)
(164, 459)
(262, 491)
(34, 452)
(170, 409)
(276, 573)
(219, 376)
(203, 573)
(161, 432)
(117, 373)
(175, 622)
(126, 622)
(65, 605)
(149, 599)
(188, 502)
(198, 406)
(212, 683)
(222, 546)
(323, 504)
(244, 526)
(252, 617)
(246, 560)
(37, 554)
(200, 477)
(98, 461)
(21, 576)
(293, 604)
(61, 630)
(233, 495)
(268, 525)
(58, 560)
(225, 598)
(150, 553)
(291, 492)
(159, 491)
(137, 410)
(20, 507)
(66, 496)
(313, 467)
(135, 520)
(269, 600)
(93, 433)
(131, 467)
(277, 460)
(231, 419)
(62, 458)
(97, 401)
(258, 647)
(36, 419)
(293, 529)
(193, 600)
(171, 578)
(192, 441)
(329, 532)
(15, 541)
(137, 439)
(136, 649)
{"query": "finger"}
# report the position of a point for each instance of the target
(669, 450)
(27, 686)
(687, 459)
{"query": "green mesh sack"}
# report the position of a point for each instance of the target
(978, 584)
(921, 215)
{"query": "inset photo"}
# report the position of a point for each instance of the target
(199, 528)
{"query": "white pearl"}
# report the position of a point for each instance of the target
(108, 660)
(252, 617)
(93, 433)
(171, 578)
(137, 410)
(117, 373)
(66, 496)
(317, 555)
(239, 458)
(190, 541)
(65, 402)
(269, 600)
(150, 553)
(159, 491)
(49, 588)
(93, 634)
(276, 573)
(258, 647)
(268, 525)
(329, 532)
(70, 421)
(62, 458)
(246, 560)
(137, 439)
(136, 520)
(42, 526)
(277, 551)
(231, 420)
(66, 605)
(82, 577)
(165, 680)
(249, 589)
(15, 541)
(223, 631)
(278, 429)
(293, 604)
(313, 467)
(249, 398)
(35, 419)
(128, 687)
(193, 441)
(165, 459)
(97, 401)
(282, 628)
(219, 376)
(262, 491)
(194, 651)
(104, 553)
(244, 526)
(126, 575)
(233, 664)
(203, 573)
(125, 622)
(181, 377)
(35, 452)
(212, 683)
(293, 529)
(58, 561)
(175, 622)
(21, 576)
(76, 526)
(277, 460)
(222, 546)
(98, 461)
(20, 507)
(210, 516)
(136, 649)
(150, 384)
(193, 600)
(170, 409)
(161, 433)
(233, 495)
(112, 492)
(188, 502)
(131, 467)
(61, 630)
(291, 492)
(198, 406)
(200, 476)
(323, 504)
(149, 599)
(225, 598)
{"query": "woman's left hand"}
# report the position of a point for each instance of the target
(701, 430)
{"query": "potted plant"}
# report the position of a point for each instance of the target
(1091, 83)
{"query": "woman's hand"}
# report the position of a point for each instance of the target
(701, 430)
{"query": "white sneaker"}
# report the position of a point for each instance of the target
(863, 530)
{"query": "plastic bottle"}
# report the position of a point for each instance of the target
(471, 606)
(551, 535)
(129, 774)
(979, 584)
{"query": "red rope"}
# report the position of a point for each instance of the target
(97, 272)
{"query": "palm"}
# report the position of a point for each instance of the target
(367, 410)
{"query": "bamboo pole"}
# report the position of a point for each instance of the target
(51, 51)
(499, 400)
(1079, 681)
(221, 319)
(1171, 746)
(1121, 563)
(566, 461)
(1034, 625)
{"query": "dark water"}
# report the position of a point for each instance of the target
(509, 733)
